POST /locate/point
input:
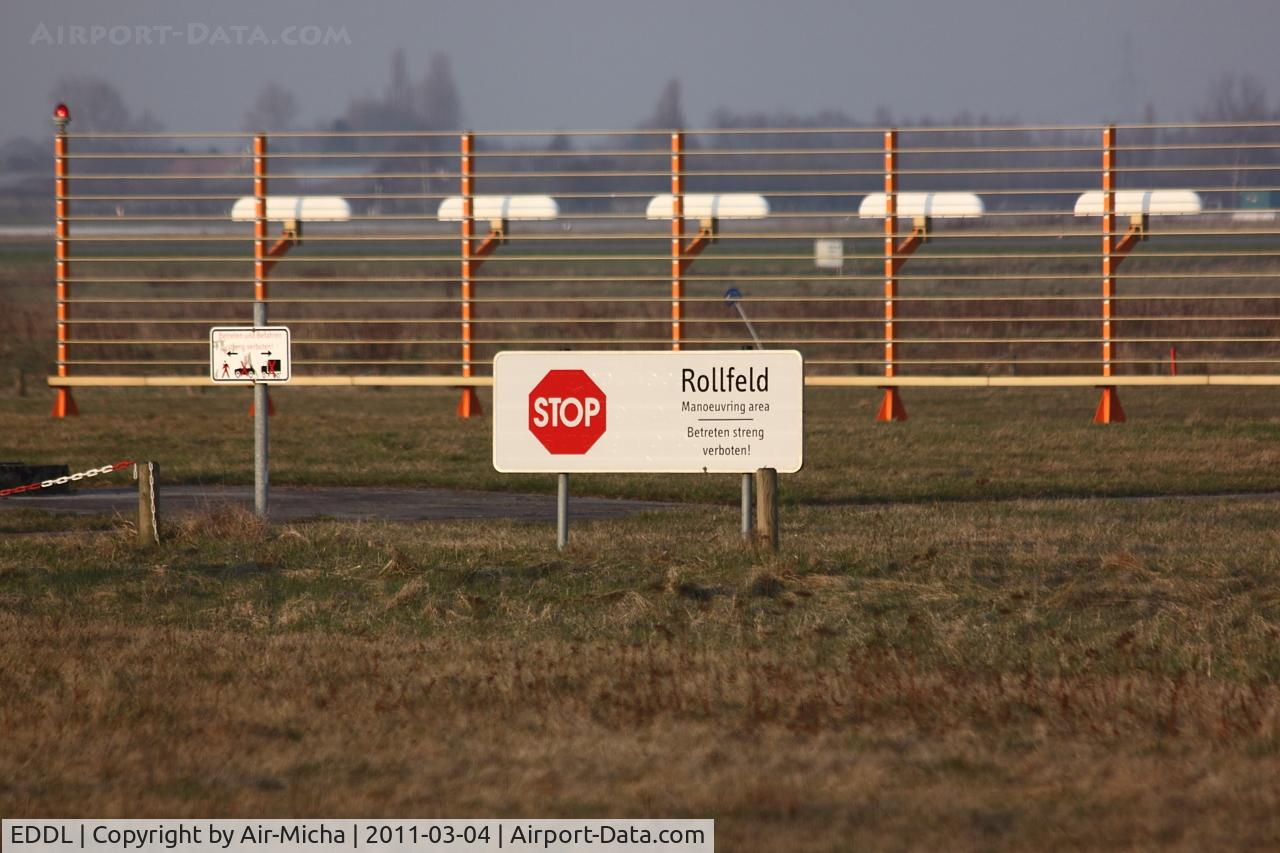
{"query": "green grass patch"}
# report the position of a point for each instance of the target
(957, 445)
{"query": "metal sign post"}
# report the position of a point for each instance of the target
(257, 355)
(260, 462)
(562, 511)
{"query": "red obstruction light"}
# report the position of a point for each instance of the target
(61, 113)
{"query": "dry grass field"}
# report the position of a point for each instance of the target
(994, 626)
(953, 648)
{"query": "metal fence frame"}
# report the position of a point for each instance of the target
(1255, 149)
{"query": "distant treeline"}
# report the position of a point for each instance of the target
(817, 163)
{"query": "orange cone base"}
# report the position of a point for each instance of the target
(271, 405)
(469, 406)
(891, 408)
(64, 405)
(1109, 409)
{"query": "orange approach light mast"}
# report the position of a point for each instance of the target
(1114, 249)
(475, 251)
(261, 208)
(682, 253)
(64, 405)
(895, 255)
(922, 207)
(708, 208)
(472, 257)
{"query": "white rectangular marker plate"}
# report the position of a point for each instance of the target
(245, 355)
(718, 411)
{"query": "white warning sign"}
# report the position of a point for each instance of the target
(246, 355)
(728, 411)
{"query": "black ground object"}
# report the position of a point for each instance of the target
(14, 474)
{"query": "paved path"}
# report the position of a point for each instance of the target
(294, 504)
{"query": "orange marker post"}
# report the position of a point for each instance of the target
(1109, 409)
(469, 404)
(678, 263)
(682, 253)
(891, 407)
(64, 405)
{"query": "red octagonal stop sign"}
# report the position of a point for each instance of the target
(567, 412)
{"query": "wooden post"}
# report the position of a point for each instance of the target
(148, 518)
(767, 507)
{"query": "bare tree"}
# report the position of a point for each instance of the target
(431, 104)
(399, 98)
(97, 105)
(1241, 99)
(440, 106)
(275, 108)
(1235, 98)
(667, 113)
(21, 154)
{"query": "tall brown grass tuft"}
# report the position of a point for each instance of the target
(229, 522)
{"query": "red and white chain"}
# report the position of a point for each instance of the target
(70, 478)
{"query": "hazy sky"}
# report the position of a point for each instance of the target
(597, 63)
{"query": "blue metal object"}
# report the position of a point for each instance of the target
(731, 297)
